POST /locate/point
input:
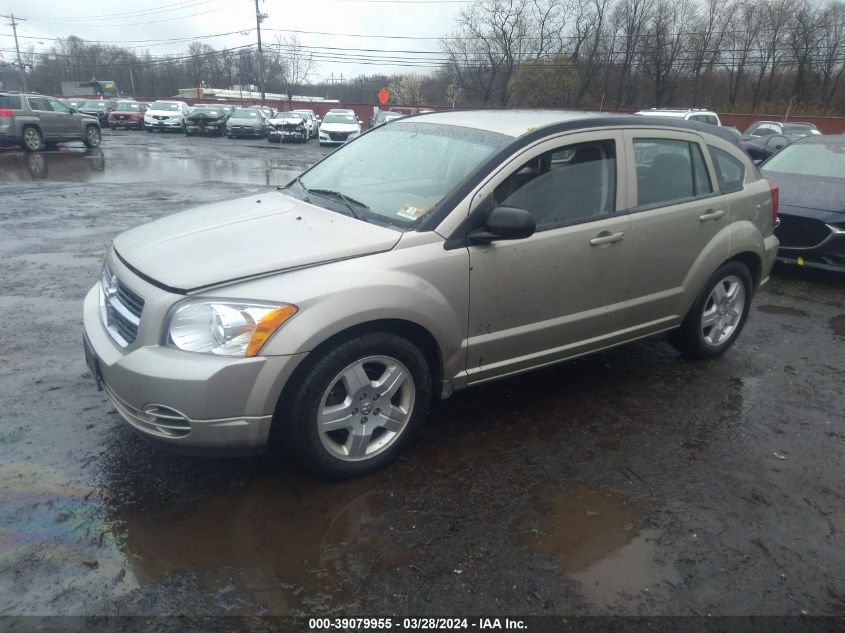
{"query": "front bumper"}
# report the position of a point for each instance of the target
(189, 402)
(164, 124)
(127, 122)
(245, 132)
(283, 133)
(825, 251)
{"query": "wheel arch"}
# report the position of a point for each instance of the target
(410, 330)
(753, 262)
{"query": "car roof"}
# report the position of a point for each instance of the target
(508, 122)
(516, 123)
(837, 140)
(161, 101)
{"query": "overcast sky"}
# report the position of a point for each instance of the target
(156, 20)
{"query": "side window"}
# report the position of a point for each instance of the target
(730, 172)
(40, 104)
(58, 106)
(566, 185)
(669, 170)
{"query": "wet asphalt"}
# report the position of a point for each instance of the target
(629, 482)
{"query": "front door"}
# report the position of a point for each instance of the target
(66, 125)
(555, 294)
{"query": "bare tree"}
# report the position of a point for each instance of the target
(296, 64)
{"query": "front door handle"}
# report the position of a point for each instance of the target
(710, 214)
(605, 238)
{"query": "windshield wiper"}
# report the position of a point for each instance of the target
(349, 203)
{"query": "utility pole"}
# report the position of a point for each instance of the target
(14, 22)
(259, 18)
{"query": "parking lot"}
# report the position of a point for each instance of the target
(628, 482)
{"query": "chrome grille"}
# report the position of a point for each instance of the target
(120, 308)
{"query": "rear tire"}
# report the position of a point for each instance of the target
(92, 136)
(395, 382)
(718, 314)
(31, 139)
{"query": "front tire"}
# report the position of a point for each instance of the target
(356, 407)
(718, 314)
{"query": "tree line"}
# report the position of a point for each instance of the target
(728, 55)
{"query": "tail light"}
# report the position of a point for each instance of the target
(5, 114)
(773, 186)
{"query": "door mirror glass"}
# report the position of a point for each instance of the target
(504, 223)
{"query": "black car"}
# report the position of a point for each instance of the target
(811, 175)
(205, 120)
(100, 108)
(761, 148)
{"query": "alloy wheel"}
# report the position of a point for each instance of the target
(365, 408)
(723, 310)
(32, 139)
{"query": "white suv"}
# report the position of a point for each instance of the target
(166, 115)
(700, 115)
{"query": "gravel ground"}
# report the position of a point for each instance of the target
(628, 482)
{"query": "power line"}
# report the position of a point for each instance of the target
(173, 6)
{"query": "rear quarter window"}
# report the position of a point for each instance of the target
(730, 172)
(9, 102)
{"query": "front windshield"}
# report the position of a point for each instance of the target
(129, 107)
(398, 173)
(288, 115)
(95, 104)
(244, 114)
(340, 118)
(810, 159)
(165, 106)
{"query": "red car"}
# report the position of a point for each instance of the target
(127, 114)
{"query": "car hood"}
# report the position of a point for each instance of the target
(339, 127)
(244, 122)
(293, 122)
(247, 237)
(809, 192)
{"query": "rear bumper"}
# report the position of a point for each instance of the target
(189, 402)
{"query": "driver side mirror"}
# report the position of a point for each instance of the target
(504, 223)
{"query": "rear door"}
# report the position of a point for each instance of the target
(676, 212)
(48, 119)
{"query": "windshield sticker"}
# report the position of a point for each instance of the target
(410, 212)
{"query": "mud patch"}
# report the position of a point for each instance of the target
(600, 540)
(781, 310)
(290, 545)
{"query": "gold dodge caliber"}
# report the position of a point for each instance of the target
(428, 255)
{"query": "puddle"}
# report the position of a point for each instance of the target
(599, 539)
(49, 524)
(837, 324)
(781, 310)
(278, 540)
(130, 165)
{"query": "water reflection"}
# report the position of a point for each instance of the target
(59, 165)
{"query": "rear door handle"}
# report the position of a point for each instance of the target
(605, 237)
(710, 214)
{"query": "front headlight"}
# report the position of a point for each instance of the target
(225, 328)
